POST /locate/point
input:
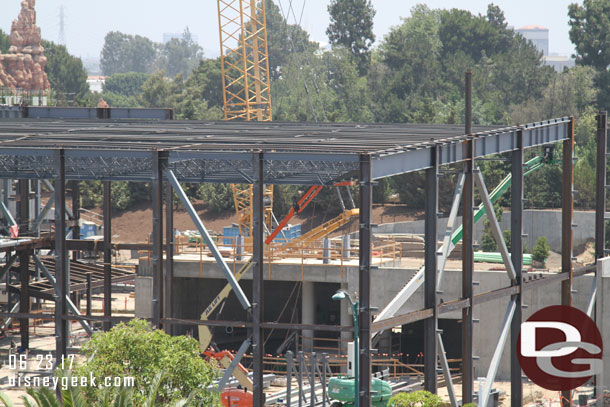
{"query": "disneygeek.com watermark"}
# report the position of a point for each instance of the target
(38, 373)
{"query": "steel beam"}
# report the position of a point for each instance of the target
(7, 214)
(257, 311)
(567, 212)
(76, 214)
(495, 359)
(107, 253)
(468, 252)
(364, 280)
(61, 258)
(169, 255)
(24, 297)
(446, 370)
(430, 300)
(600, 207)
(496, 231)
(516, 225)
(24, 207)
(446, 249)
(45, 210)
(245, 303)
(159, 163)
(71, 306)
(236, 360)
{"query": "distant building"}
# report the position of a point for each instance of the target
(167, 37)
(559, 62)
(96, 83)
(538, 35)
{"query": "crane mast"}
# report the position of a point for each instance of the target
(244, 60)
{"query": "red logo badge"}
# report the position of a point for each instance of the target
(560, 348)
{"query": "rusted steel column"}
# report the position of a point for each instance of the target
(567, 213)
(107, 253)
(516, 227)
(600, 207)
(468, 251)
(169, 255)
(258, 220)
(366, 206)
(431, 260)
(62, 273)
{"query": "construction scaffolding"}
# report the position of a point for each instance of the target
(170, 152)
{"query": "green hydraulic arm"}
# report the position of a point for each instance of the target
(529, 167)
(418, 279)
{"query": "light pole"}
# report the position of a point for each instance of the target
(338, 296)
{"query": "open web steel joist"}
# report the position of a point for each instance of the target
(304, 154)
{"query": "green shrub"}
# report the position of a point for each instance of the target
(217, 197)
(541, 250)
(136, 350)
(419, 398)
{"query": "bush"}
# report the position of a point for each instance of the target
(419, 398)
(136, 350)
(541, 250)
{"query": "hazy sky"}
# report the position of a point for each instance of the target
(87, 22)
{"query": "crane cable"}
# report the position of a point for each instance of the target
(314, 74)
(307, 60)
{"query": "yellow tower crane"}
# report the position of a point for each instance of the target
(246, 85)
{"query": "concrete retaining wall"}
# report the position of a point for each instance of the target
(536, 223)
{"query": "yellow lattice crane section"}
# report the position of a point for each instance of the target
(246, 84)
(244, 60)
(242, 195)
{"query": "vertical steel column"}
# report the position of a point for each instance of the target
(516, 240)
(89, 294)
(364, 281)
(430, 300)
(24, 260)
(567, 211)
(107, 253)
(258, 224)
(600, 214)
(61, 259)
(600, 207)
(467, 251)
(169, 255)
(159, 159)
(75, 214)
(24, 207)
(24, 297)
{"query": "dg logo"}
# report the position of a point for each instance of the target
(560, 348)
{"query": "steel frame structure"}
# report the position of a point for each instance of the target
(168, 153)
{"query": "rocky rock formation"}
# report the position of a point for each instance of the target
(23, 66)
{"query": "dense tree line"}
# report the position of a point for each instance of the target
(414, 74)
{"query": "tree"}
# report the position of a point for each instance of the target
(351, 25)
(590, 32)
(127, 53)
(127, 84)
(158, 91)
(67, 76)
(5, 42)
(181, 55)
(283, 39)
(541, 250)
(135, 350)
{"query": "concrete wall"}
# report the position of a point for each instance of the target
(536, 223)
(192, 293)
